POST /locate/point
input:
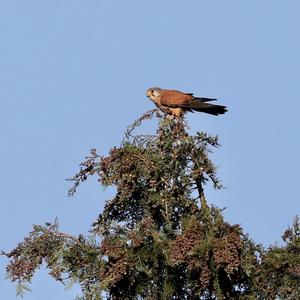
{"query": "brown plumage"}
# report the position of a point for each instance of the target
(177, 103)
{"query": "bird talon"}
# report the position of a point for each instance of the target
(170, 117)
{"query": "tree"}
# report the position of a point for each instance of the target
(158, 238)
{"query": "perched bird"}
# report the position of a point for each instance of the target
(178, 103)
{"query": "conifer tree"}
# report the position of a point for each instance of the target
(158, 238)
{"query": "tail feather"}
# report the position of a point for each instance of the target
(198, 104)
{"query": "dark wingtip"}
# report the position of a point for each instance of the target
(201, 99)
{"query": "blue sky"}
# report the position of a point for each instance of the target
(73, 75)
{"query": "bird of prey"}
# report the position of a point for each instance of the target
(178, 103)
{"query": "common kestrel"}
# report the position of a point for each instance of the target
(177, 103)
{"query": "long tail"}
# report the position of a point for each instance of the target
(199, 104)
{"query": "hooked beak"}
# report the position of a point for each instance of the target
(148, 94)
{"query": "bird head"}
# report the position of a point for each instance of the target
(154, 92)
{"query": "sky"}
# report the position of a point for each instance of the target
(73, 76)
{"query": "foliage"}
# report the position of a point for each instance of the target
(158, 238)
(279, 271)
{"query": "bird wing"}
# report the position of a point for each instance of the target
(173, 98)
